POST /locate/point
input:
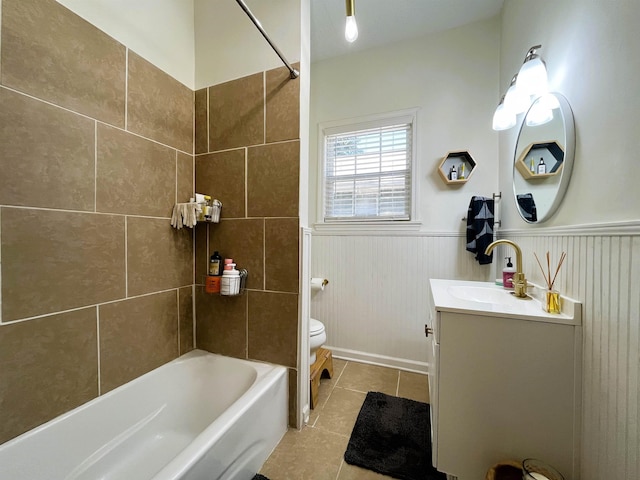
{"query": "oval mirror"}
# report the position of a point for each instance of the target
(543, 158)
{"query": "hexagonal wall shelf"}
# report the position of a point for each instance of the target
(551, 152)
(464, 163)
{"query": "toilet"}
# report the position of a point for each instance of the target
(317, 337)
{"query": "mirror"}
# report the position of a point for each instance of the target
(543, 158)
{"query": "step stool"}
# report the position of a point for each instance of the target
(323, 363)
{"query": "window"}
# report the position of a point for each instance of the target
(367, 169)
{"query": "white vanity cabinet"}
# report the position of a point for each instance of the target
(504, 384)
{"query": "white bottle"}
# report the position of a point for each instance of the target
(230, 281)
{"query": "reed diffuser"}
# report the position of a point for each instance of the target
(552, 299)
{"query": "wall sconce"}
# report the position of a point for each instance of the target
(516, 99)
(532, 77)
(542, 110)
(503, 118)
(351, 27)
(526, 85)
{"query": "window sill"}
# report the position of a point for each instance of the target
(366, 228)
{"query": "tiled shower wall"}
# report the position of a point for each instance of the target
(248, 156)
(96, 145)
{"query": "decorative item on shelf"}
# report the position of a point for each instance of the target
(456, 167)
(453, 173)
(551, 303)
(550, 154)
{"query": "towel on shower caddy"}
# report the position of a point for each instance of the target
(480, 227)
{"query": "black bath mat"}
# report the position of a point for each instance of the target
(392, 436)
(258, 476)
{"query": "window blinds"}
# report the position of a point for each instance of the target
(368, 174)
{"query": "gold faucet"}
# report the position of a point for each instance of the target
(519, 281)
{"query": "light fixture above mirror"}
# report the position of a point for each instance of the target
(528, 84)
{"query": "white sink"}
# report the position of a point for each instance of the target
(489, 299)
(482, 294)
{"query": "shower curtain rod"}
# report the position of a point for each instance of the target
(293, 72)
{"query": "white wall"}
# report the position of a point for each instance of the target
(161, 31)
(590, 47)
(452, 77)
(200, 42)
(229, 46)
(376, 303)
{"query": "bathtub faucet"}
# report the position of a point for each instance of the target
(519, 280)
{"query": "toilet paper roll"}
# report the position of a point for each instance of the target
(318, 283)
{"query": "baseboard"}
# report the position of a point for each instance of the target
(375, 359)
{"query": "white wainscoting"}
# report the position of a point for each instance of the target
(376, 303)
(603, 271)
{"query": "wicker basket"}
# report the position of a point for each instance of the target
(507, 470)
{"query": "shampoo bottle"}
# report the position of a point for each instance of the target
(215, 264)
(507, 275)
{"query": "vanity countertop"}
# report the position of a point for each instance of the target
(489, 299)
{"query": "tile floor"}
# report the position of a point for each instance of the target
(316, 452)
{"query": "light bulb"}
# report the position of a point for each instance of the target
(503, 118)
(351, 29)
(549, 101)
(539, 114)
(532, 77)
(516, 100)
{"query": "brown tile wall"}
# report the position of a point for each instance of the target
(96, 144)
(248, 156)
(89, 171)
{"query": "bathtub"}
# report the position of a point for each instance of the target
(199, 417)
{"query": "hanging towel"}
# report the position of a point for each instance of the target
(527, 207)
(480, 228)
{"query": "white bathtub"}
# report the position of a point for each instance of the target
(199, 417)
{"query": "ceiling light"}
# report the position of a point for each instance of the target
(351, 27)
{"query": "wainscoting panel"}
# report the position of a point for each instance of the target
(603, 271)
(377, 301)
(378, 298)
